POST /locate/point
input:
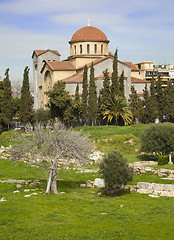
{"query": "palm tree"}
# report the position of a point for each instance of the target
(118, 108)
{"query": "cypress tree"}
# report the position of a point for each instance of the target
(92, 99)
(121, 84)
(25, 108)
(115, 83)
(1, 99)
(85, 96)
(146, 104)
(160, 99)
(77, 105)
(153, 110)
(104, 96)
(136, 105)
(169, 102)
(7, 108)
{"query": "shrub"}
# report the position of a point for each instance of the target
(162, 160)
(115, 170)
(158, 138)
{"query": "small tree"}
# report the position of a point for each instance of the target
(57, 146)
(115, 170)
(158, 139)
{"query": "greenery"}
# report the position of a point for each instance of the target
(162, 160)
(158, 138)
(26, 103)
(115, 170)
(80, 213)
(85, 96)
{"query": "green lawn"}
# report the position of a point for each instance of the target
(80, 213)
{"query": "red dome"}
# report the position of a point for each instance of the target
(89, 33)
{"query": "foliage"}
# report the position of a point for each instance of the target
(146, 105)
(1, 97)
(162, 160)
(6, 107)
(115, 170)
(160, 99)
(54, 145)
(85, 96)
(121, 85)
(15, 106)
(115, 82)
(26, 103)
(136, 105)
(92, 98)
(158, 138)
(169, 102)
(153, 108)
(118, 108)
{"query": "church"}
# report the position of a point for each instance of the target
(88, 44)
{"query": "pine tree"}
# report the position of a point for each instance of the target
(136, 105)
(160, 99)
(115, 82)
(121, 84)
(85, 96)
(25, 108)
(7, 109)
(169, 102)
(153, 110)
(92, 99)
(104, 96)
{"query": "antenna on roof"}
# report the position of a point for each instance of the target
(88, 22)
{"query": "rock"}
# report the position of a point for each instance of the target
(153, 196)
(99, 183)
(18, 186)
(121, 206)
(96, 156)
(83, 185)
(27, 196)
(89, 184)
(17, 191)
(33, 194)
(2, 200)
(26, 190)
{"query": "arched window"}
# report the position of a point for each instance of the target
(95, 48)
(75, 49)
(80, 49)
(102, 49)
(88, 49)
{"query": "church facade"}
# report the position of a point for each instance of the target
(88, 44)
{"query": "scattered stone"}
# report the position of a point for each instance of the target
(18, 186)
(89, 183)
(61, 192)
(33, 194)
(103, 213)
(2, 200)
(98, 182)
(27, 196)
(17, 191)
(153, 196)
(121, 206)
(83, 185)
(131, 141)
(26, 190)
(96, 156)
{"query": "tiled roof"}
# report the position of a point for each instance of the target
(89, 33)
(39, 52)
(94, 62)
(110, 75)
(133, 66)
(60, 66)
(138, 80)
(77, 78)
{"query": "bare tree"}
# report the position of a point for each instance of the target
(55, 146)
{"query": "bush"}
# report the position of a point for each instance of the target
(162, 160)
(158, 138)
(115, 170)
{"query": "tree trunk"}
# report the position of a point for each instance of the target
(54, 182)
(49, 182)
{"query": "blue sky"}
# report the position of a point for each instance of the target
(143, 30)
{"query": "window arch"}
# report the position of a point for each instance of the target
(75, 49)
(88, 49)
(102, 49)
(80, 49)
(95, 48)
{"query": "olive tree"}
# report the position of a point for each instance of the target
(49, 148)
(158, 139)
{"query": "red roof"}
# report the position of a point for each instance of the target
(60, 66)
(133, 66)
(138, 80)
(77, 78)
(94, 62)
(89, 33)
(110, 75)
(39, 52)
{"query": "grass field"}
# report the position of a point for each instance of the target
(79, 213)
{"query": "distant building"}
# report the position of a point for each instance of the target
(88, 44)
